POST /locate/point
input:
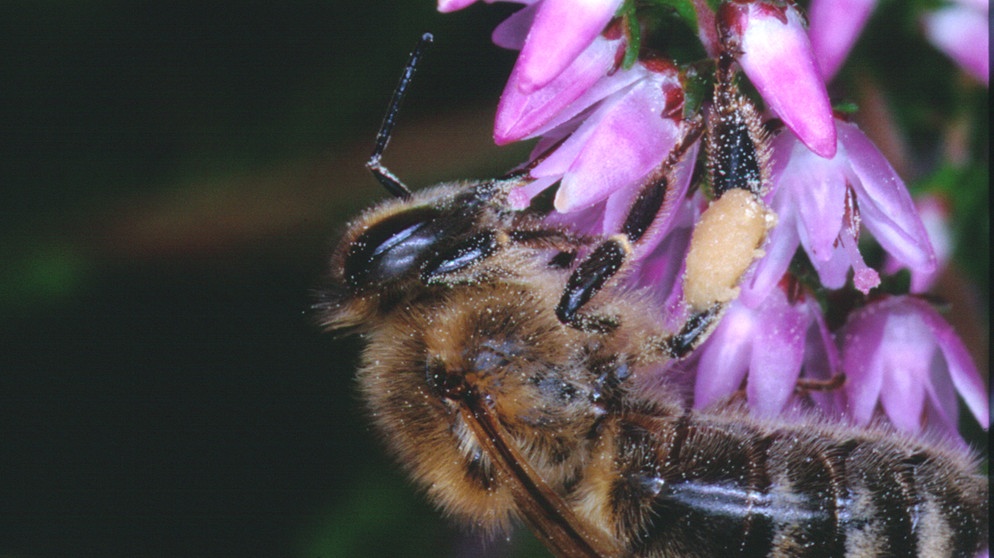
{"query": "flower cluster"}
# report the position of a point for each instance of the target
(607, 121)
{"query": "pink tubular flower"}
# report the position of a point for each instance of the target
(446, 6)
(820, 204)
(562, 30)
(558, 31)
(773, 49)
(626, 135)
(835, 26)
(935, 214)
(584, 82)
(962, 33)
(770, 343)
(900, 353)
(551, 34)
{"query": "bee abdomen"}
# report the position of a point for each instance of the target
(710, 488)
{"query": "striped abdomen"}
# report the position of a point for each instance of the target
(711, 485)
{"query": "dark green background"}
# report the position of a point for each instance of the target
(172, 176)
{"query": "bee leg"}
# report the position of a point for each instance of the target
(693, 332)
(804, 386)
(729, 236)
(738, 152)
(588, 278)
(610, 256)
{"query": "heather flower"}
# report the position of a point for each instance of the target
(770, 344)
(935, 215)
(898, 354)
(834, 27)
(584, 82)
(561, 31)
(962, 32)
(821, 203)
(557, 32)
(445, 6)
(619, 142)
(604, 131)
(772, 47)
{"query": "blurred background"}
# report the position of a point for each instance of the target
(172, 178)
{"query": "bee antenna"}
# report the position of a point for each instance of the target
(383, 174)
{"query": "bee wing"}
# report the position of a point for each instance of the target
(545, 512)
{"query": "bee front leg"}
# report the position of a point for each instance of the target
(608, 258)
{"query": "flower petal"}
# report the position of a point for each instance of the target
(777, 57)
(962, 371)
(832, 273)
(834, 27)
(724, 357)
(511, 32)
(884, 202)
(821, 361)
(942, 410)
(562, 30)
(863, 362)
(521, 115)
(962, 33)
(817, 187)
(907, 352)
(446, 6)
(777, 353)
(631, 139)
(520, 197)
(934, 212)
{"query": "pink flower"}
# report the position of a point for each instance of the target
(935, 215)
(445, 6)
(608, 151)
(835, 26)
(562, 30)
(962, 33)
(770, 344)
(898, 353)
(584, 82)
(821, 203)
(550, 33)
(772, 47)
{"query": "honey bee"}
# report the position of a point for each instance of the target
(509, 379)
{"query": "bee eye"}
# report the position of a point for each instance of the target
(393, 247)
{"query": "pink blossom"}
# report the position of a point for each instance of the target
(560, 31)
(962, 33)
(835, 26)
(446, 6)
(583, 83)
(900, 355)
(772, 47)
(935, 215)
(453, 5)
(769, 344)
(821, 203)
(626, 135)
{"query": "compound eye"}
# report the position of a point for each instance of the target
(394, 247)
